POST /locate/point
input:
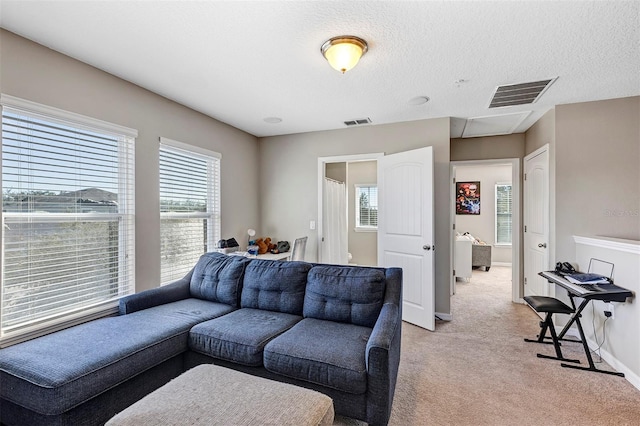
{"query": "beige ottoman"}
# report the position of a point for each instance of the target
(211, 395)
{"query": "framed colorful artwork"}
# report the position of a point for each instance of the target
(468, 197)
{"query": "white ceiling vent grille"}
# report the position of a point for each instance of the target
(358, 122)
(519, 94)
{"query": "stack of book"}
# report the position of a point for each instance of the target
(587, 278)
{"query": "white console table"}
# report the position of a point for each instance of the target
(463, 256)
(267, 256)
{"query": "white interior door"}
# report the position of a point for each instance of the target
(536, 222)
(405, 229)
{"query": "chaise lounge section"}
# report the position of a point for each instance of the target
(334, 329)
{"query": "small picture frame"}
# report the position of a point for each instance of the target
(468, 198)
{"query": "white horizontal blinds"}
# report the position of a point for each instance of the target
(503, 214)
(368, 206)
(67, 202)
(189, 207)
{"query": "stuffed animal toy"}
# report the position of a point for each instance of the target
(270, 246)
(262, 246)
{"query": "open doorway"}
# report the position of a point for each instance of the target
(405, 234)
(486, 221)
(348, 234)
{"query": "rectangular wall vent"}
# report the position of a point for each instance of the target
(358, 121)
(519, 94)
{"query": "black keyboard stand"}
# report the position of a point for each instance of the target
(614, 294)
(575, 318)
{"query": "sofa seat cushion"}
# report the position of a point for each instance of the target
(322, 352)
(240, 336)
(275, 286)
(345, 294)
(59, 371)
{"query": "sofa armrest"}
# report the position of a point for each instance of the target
(383, 352)
(390, 319)
(382, 336)
(173, 292)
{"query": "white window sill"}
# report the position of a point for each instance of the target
(363, 229)
(502, 245)
(69, 320)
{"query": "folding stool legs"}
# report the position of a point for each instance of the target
(548, 324)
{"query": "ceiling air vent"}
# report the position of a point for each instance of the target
(519, 94)
(358, 122)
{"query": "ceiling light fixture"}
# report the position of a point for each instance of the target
(344, 52)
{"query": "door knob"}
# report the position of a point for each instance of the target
(426, 247)
(542, 245)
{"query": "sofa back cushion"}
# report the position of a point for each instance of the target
(218, 278)
(274, 285)
(345, 294)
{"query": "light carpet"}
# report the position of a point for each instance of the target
(477, 369)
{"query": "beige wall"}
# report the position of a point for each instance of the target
(363, 246)
(483, 226)
(488, 148)
(541, 133)
(36, 73)
(594, 175)
(290, 191)
(597, 171)
(336, 171)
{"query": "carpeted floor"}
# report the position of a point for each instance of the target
(477, 370)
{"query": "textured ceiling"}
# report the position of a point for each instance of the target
(243, 61)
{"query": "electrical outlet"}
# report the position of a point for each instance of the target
(312, 224)
(608, 310)
(613, 314)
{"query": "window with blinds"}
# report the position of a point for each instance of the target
(67, 216)
(189, 206)
(503, 214)
(366, 207)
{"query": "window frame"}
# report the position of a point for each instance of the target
(358, 226)
(497, 214)
(213, 213)
(125, 217)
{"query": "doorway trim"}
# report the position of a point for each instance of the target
(549, 288)
(516, 223)
(322, 162)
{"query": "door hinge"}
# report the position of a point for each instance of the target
(525, 280)
(525, 176)
(454, 272)
(454, 226)
(454, 180)
(525, 228)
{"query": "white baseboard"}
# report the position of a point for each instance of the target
(444, 317)
(501, 264)
(631, 376)
(573, 332)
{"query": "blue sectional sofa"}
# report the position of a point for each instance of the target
(334, 329)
